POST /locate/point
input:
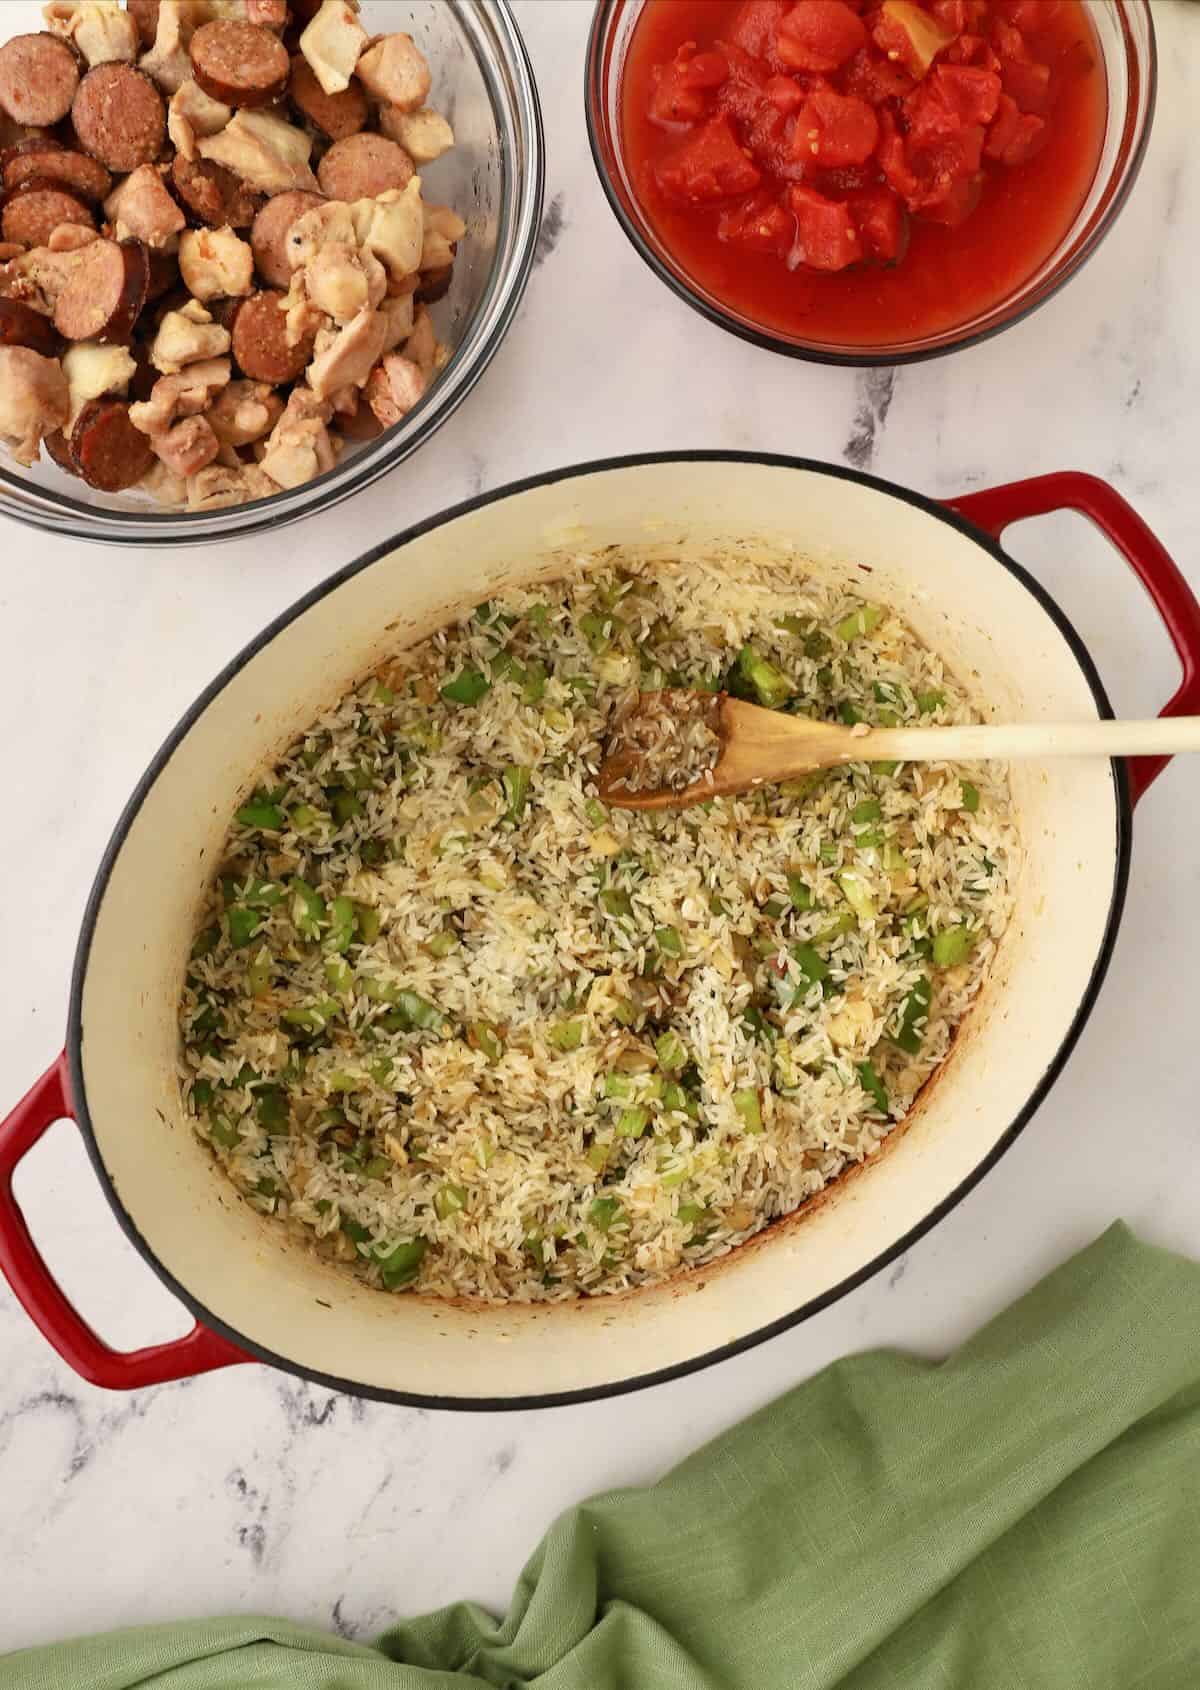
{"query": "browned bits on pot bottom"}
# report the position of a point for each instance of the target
(119, 117)
(39, 75)
(260, 343)
(241, 64)
(108, 451)
(269, 235)
(363, 166)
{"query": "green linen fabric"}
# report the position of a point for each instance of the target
(1022, 1516)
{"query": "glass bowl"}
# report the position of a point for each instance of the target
(1126, 34)
(484, 83)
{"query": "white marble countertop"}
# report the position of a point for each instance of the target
(249, 1491)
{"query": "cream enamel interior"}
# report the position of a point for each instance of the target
(1000, 641)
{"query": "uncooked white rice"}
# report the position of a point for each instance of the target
(473, 1033)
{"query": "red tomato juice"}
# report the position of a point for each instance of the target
(949, 261)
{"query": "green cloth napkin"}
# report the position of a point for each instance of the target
(1023, 1516)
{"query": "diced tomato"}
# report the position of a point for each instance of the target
(1015, 136)
(755, 24)
(767, 139)
(833, 129)
(819, 35)
(973, 50)
(1027, 83)
(710, 165)
(844, 179)
(893, 160)
(882, 222)
(1008, 40)
(681, 88)
(826, 236)
(972, 95)
(910, 35)
(955, 202)
(760, 223)
(785, 94)
(744, 90)
(876, 79)
(1028, 14)
(959, 16)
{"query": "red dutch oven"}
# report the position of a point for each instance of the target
(258, 1295)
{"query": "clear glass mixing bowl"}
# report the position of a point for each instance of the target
(484, 83)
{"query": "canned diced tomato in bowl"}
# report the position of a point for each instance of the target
(868, 181)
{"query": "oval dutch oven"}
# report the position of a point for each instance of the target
(256, 1295)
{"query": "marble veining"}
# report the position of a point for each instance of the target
(250, 1491)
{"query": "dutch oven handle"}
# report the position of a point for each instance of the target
(993, 508)
(117, 1370)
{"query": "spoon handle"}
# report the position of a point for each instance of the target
(1159, 735)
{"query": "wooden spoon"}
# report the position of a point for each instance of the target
(755, 746)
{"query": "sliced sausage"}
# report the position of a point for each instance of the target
(213, 194)
(83, 175)
(260, 343)
(362, 166)
(110, 452)
(105, 294)
(58, 447)
(164, 273)
(270, 232)
(241, 64)
(119, 117)
(335, 115)
(39, 75)
(145, 15)
(434, 284)
(34, 210)
(21, 325)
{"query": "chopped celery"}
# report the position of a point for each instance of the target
(443, 943)
(346, 806)
(870, 1082)
(844, 922)
(913, 1015)
(339, 976)
(378, 1167)
(595, 812)
(859, 622)
(669, 941)
(261, 815)
(449, 1199)
(243, 925)
(928, 702)
(813, 970)
(307, 909)
(341, 924)
(671, 1051)
(857, 894)
(952, 946)
(599, 629)
(749, 1106)
(516, 781)
(867, 810)
(799, 892)
(566, 1035)
(615, 902)
(534, 689)
(305, 819)
(970, 797)
(632, 1122)
(271, 1108)
(399, 1266)
(311, 1018)
(596, 1156)
(369, 923)
(258, 972)
(467, 687)
(803, 786)
(619, 1086)
(849, 714)
(603, 1213)
(753, 677)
